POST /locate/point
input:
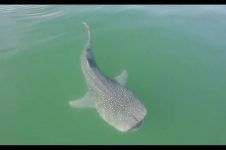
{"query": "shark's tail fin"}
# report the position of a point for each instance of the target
(88, 30)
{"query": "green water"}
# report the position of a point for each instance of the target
(175, 57)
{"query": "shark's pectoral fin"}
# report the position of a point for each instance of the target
(84, 102)
(122, 78)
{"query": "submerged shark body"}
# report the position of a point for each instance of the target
(115, 104)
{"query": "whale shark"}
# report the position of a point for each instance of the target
(116, 104)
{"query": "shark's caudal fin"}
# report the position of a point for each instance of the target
(88, 30)
(84, 102)
(122, 78)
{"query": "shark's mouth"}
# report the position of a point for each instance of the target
(137, 126)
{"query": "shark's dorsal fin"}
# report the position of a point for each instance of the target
(122, 78)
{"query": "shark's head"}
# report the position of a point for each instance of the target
(124, 111)
(132, 124)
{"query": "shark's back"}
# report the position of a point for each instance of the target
(120, 107)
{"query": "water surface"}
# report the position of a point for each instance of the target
(175, 57)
